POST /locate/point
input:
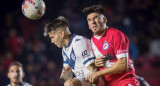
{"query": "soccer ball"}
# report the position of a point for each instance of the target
(33, 9)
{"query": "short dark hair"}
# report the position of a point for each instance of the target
(93, 9)
(61, 21)
(17, 64)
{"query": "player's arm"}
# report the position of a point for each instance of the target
(66, 73)
(92, 67)
(120, 45)
(100, 61)
(121, 51)
(118, 67)
(86, 52)
(100, 81)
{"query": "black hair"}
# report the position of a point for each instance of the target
(93, 9)
(56, 23)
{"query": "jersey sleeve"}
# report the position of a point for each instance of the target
(65, 59)
(121, 43)
(83, 49)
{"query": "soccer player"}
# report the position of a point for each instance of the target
(76, 51)
(110, 46)
(16, 74)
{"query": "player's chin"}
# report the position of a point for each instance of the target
(59, 46)
(16, 81)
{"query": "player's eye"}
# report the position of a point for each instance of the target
(88, 20)
(12, 71)
(95, 17)
(18, 71)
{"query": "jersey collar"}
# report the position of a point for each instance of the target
(70, 41)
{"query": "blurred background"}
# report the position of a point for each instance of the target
(22, 39)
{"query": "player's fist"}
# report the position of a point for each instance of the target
(66, 73)
(100, 61)
(92, 77)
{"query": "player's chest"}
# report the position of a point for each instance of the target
(104, 45)
(70, 54)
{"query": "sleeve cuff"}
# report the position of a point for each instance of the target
(88, 61)
(122, 55)
(65, 65)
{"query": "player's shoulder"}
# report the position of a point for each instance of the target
(8, 85)
(79, 38)
(23, 84)
(26, 84)
(114, 32)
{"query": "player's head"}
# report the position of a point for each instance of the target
(57, 30)
(15, 72)
(95, 18)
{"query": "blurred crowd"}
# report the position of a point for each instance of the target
(22, 39)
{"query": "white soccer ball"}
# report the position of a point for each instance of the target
(33, 9)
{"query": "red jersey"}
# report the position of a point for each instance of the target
(114, 45)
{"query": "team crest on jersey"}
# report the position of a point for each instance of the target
(105, 46)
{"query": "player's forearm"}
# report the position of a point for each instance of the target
(66, 73)
(118, 67)
(92, 67)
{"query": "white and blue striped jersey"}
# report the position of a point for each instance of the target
(22, 84)
(78, 55)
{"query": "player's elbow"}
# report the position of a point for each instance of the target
(122, 64)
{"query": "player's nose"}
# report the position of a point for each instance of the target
(93, 21)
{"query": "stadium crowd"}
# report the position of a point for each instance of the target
(22, 39)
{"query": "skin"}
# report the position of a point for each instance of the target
(97, 24)
(60, 38)
(15, 75)
(57, 38)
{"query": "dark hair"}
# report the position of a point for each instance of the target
(93, 9)
(17, 64)
(56, 23)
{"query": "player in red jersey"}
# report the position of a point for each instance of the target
(110, 47)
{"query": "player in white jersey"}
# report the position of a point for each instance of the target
(16, 74)
(77, 52)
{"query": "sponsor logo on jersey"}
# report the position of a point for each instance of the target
(122, 51)
(105, 46)
(77, 39)
(110, 56)
(85, 53)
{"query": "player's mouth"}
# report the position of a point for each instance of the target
(94, 28)
(16, 78)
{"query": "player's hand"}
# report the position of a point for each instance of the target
(64, 71)
(92, 77)
(100, 61)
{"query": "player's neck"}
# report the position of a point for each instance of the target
(15, 84)
(102, 32)
(67, 39)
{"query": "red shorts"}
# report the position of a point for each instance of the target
(125, 82)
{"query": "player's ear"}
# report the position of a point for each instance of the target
(62, 33)
(104, 19)
(23, 74)
(8, 75)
